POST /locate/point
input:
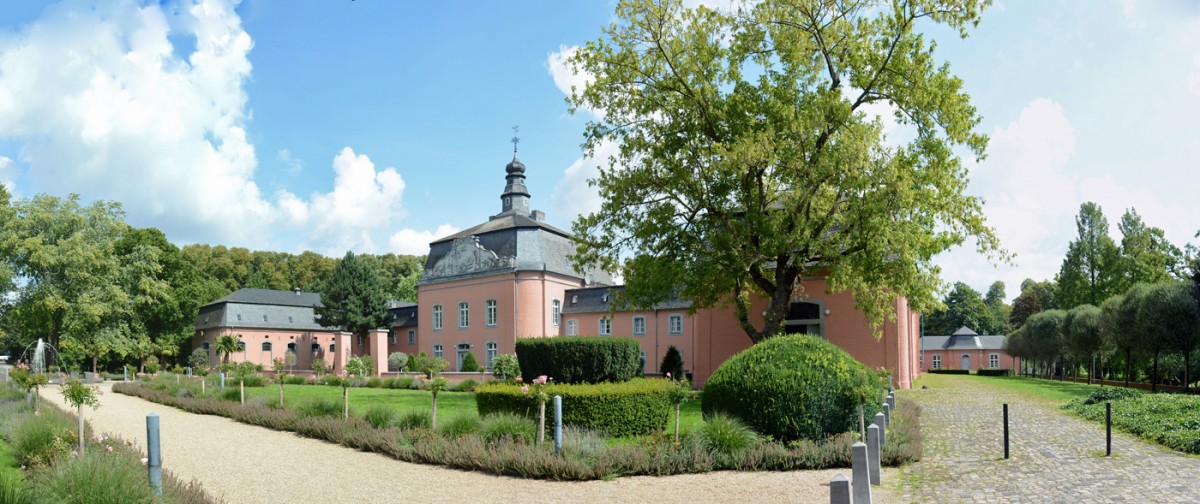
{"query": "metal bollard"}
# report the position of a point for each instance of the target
(558, 424)
(222, 382)
(153, 453)
(1005, 431)
(1107, 429)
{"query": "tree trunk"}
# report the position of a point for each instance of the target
(93, 363)
(1128, 365)
(346, 403)
(1187, 371)
(433, 417)
(541, 422)
(677, 422)
(79, 412)
(1154, 379)
(280, 394)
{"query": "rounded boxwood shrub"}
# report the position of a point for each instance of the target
(793, 387)
(640, 406)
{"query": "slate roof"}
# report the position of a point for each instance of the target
(404, 314)
(262, 309)
(964, 339)
(600, 300)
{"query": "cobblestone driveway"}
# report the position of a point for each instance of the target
(1054, 457)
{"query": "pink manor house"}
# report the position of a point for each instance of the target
(510, 277)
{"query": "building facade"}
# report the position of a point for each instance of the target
(512, 277)
(967, 350)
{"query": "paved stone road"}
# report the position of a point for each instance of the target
(1054, 457)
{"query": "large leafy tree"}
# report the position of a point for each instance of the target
(964, 306)
(1083, 335)
(1168, 320)
(1091, 271)
(747, 159)
(353, 298)
(70, 291)
(1035, 297)
(1146, 255)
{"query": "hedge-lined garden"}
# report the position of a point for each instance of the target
(1172, 420)
(613, 428)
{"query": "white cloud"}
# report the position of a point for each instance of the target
(294, 166)
(103, 105)
(1193, 78)
(1030, 199)
(573, 196)
(565, 78)
(411, 241)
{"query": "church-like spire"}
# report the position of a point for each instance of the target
(515, 199)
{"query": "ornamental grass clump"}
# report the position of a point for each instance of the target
(380, 416)
(500, 426)
(414, 419)
(459, 426)
(318, 408)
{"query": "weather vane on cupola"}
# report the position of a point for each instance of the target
(515, 139)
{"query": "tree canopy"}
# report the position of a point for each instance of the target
(747, 159)
(964, 306)
(354, 298)
(1090, 272)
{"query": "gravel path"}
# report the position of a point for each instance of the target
(1054, 457)
(248, 464)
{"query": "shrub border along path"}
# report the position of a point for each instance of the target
(244, 463)
(1055, 457)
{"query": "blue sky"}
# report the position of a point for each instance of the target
(378, 126)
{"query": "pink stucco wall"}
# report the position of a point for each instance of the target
(952, 359)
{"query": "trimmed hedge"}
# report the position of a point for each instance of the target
(949, 371)
(794, 387)
(579, 359)
(639, 406)
(994, 372)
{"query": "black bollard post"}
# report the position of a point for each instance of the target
(1005, 431)
(1107, 429)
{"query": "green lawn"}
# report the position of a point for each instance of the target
(450, 404)
(8, 461)
(1034, 388)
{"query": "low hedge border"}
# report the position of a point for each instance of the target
(636, 407)
(949, 371)
(994, 372)
(655, 455)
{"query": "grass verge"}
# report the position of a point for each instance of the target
(1171, 420)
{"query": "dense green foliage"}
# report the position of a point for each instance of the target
(353, 298)
(1172, 420)
(672, 363)
(743, 135)
(636, 407)
(793, 387)
(469, 365)
(966, 307)
(579, 359)
(506, 367)
(1106, 394)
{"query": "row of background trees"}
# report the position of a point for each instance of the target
(1127, 311)
(105, 294)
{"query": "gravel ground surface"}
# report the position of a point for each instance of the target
(1054, 457)
(248, 464)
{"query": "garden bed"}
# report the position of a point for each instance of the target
(503, 444)
(1171, 420)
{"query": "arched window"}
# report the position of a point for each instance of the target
(266, 346)
(462, 351)
(489, 312)
(316, 348)
(437, 351)
(556, 312)
(490, 350)
(292, 347)
(463, 315)
(437, 317)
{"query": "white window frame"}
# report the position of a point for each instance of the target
(994, 361)
(438, 351)
(489, 312)
(464, 315)
(675, 324)
(412, 336)
(556, 312)
(572, 327)
(935, 362)
(392, 337)
(642, 330)
(437, 317)
(605, 326)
